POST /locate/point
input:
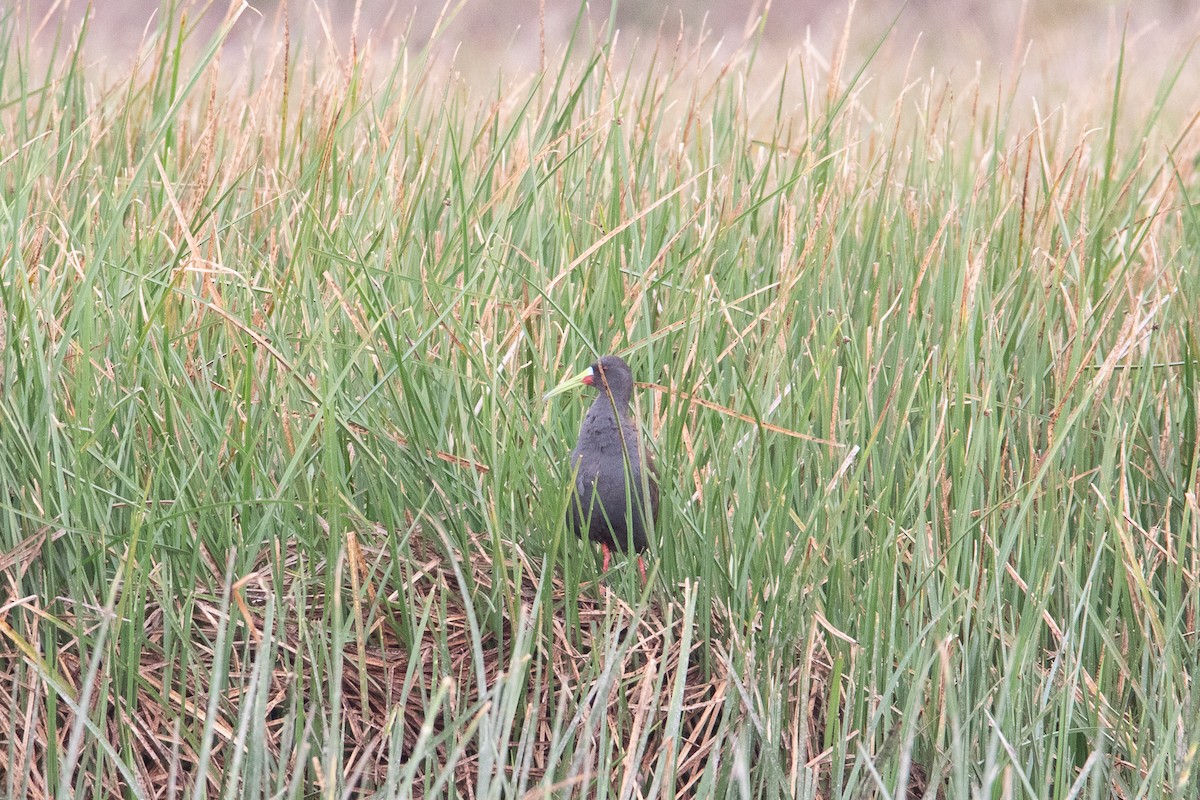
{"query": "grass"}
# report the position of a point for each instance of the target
(281, 509)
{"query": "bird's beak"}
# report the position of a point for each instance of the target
(574, 382)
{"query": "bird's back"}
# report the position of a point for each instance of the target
(610, 473)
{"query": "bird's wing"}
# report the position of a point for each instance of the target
(647, 458)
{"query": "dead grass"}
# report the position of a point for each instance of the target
(375, 675)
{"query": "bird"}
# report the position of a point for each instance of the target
(615, 491)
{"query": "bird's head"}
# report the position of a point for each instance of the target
(610, 374)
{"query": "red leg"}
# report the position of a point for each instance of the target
(642, 568)
(607, 555)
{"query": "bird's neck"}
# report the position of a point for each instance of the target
(614, 403)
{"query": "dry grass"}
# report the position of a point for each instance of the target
(649, 650)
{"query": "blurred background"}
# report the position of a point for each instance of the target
(1065, 40)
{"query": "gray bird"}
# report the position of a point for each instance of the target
(614, 475)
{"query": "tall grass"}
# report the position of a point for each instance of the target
(281, 510)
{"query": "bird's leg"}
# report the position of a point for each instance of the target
(642, 568)
(607, 555)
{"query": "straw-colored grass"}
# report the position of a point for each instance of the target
(413, 691)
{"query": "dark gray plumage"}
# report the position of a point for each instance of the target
(613, 471)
